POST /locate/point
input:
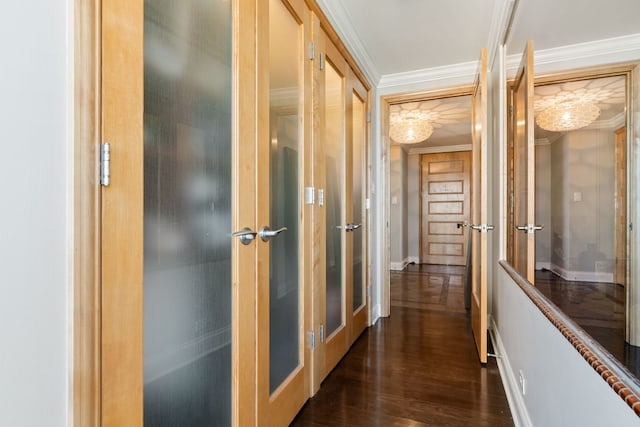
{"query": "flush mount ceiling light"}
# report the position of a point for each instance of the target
(567, 115)
(410, 126)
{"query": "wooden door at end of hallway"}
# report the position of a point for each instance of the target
(445, 203)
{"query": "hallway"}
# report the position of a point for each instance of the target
(416, 368)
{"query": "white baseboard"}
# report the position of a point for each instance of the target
(509, 382)
(413, 259)
(543, 265)
(375, 314)
(398, 266)
(582, 276)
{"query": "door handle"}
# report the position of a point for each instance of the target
(352, 227)
(246, 235)
(266, 233)
(483, 228)
(529, 228)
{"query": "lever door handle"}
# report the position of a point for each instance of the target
(529, 228)
(482, 227)
(352, 227)
(266, 233)
(246, 235)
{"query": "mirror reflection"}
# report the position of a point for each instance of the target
(581, 192)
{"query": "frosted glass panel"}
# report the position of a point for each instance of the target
(187, 213)
(334, 148)
(358, 234)
(284, 295)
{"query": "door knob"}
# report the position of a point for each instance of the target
(266, 233)
(246, 235)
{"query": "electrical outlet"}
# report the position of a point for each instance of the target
(521, 379)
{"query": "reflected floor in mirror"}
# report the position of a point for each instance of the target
(418, 367)
(599, 309)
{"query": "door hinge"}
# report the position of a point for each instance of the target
(321, 61)
(309, 195)
(105, 164)
(320, 197)
(321, 333)
(312, 51)
(511, 110)
(312, 340)
(368, 116)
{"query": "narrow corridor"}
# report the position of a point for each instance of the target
(416, 368)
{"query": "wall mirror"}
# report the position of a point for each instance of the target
(581, 197)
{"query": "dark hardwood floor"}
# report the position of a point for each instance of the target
(599, 309)
(418, 367)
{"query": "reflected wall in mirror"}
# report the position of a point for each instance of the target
(581, 198)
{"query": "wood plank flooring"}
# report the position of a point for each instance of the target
(416, 368)
(599, 308)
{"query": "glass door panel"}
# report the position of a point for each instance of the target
(187, 213)
(358, 145)
(284, 283)
(333, 195)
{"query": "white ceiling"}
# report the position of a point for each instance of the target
(397, 36)
(393, 37)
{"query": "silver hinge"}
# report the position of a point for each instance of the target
(309, 195)
(321, 333)
(320, 197)
(511, 110)
(312, 51)
(321, 61)
(312, 340)
(105, 163)
(368, 116)
(367, 203)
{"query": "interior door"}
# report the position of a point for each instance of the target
(332, 195)
(283, 362)
(524, 168)
(178, 291)
(620, 234)
(479, 210)
(357, 227)
(445, 179)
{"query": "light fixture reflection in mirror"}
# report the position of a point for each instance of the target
(567, 115)
(410, 127)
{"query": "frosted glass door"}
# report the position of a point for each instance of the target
(284, 283)
(333, 195)
(357, 196)
(187, 213)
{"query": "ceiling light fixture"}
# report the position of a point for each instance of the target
(567, 115)
(410, 126)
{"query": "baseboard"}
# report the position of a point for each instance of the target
(375, 314)
(509, 382)
(543, 265)
(413, 260)
(398, 266)
(582, 276)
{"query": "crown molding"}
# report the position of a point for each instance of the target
(443, 149)
(341, 23)
(501, 18)
(429, 78)
(589, 54)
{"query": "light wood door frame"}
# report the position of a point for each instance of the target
(479, 211)
(122, 215)
(358, 318)
(620, 237)
(524, 166)
(281, 406)
(329, 349)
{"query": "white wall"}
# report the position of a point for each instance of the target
(398, 207)
(413, 207)
(34, 173)
(561, 389)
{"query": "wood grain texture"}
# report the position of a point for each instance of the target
(85, 386)
(122, 214)
(620, 236)
(418, 367)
